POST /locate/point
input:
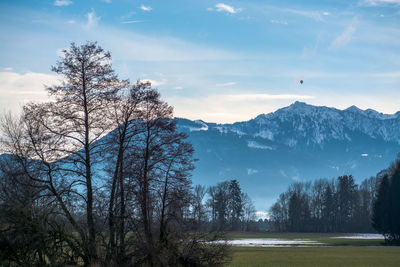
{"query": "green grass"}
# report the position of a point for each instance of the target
(316, 256)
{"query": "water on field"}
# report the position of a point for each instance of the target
(272, 242)
(361, 236)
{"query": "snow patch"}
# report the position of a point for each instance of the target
(254, 144)
(265, 134)
(291, 142)
(222, 130)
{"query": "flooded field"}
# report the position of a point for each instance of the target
(361, 236)
(304, 240)
(273, 242)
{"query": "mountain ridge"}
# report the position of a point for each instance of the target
(299, 142)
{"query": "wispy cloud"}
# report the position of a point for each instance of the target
(145, 8)
(378, 2)
(395, 74)
(315, 15)
(137, 47)
(310, 14)
(221, 7)
(131, 21)
(62, 2)
(92, 20)
(344, 38)
(279, 22)
(226, 84)
(250, 97)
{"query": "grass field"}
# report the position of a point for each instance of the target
(316, 256)
(335, 252)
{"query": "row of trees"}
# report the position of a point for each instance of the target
(72, 194)
(337, 205)
(224, 207)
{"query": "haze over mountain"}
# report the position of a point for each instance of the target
(300, 142)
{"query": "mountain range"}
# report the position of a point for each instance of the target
(300, 142)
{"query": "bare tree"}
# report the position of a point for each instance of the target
(106, 156)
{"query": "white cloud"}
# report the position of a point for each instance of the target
(226, 84)
(326, 13)
(378, 2)
(178, 88)
(62, 2)
(344, 38)
(145, 8)
(92, 20)
(7, 69)
(17, 89)
(71, 21)
(221, 7)
(364, 155)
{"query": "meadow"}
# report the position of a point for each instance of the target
(334, 251)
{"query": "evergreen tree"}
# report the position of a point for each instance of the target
(235, 204)
(394, 204)
(386, 212)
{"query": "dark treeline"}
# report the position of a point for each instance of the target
(386, 208)
(70, 194)
(337, 205)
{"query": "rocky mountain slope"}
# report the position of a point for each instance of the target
(297, 143)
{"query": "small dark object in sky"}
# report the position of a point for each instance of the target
(301, 81)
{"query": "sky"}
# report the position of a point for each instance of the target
(219, 61)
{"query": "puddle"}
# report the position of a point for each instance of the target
(361, 236)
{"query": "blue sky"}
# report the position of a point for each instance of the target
(220, 61)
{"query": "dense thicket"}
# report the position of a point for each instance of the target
(72, 195)
(386, 208)
(337, 205)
